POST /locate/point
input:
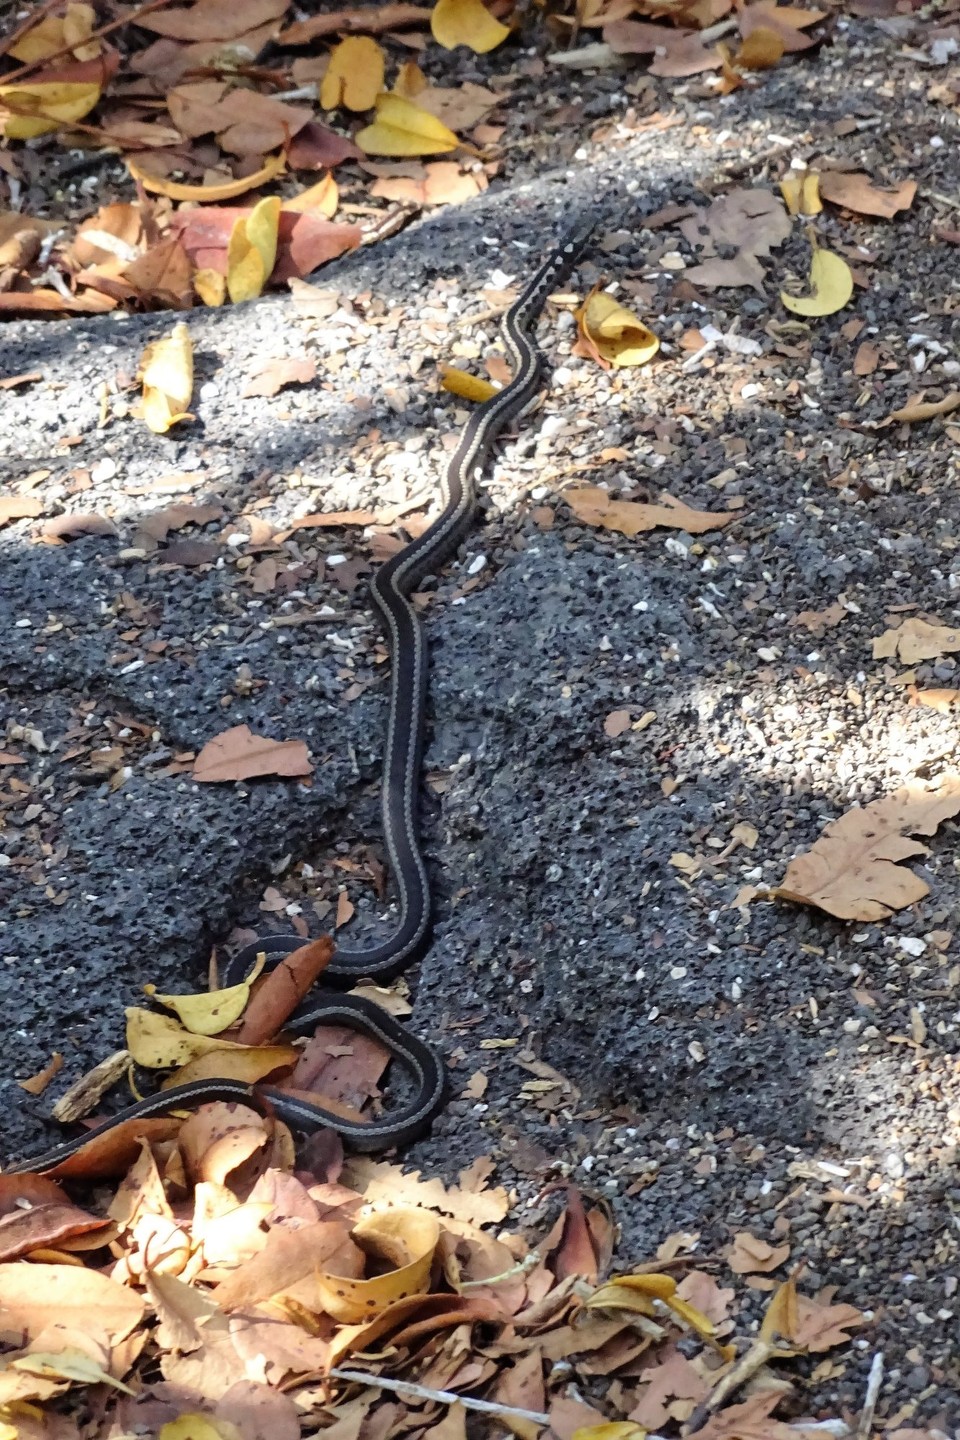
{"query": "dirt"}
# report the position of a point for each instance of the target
(713, 1067)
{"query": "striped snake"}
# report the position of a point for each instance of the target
(392, 589)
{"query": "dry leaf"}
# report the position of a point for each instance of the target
(208, 1013)
(208, 194)
(238, 754)
(466, 22)
(928, 410)
(801, 192)
(831, 281)
(38, 106)
(611, 335)
(855, 191)
(354, 76)
(252, 250)
(752, 221)
(382, 1184)
(279, 994)
(270, 376)
(749, 1256)
(402, 128)
(916, 640)
(402, 1239)
(39, 1082)
(852, 871)
(594, 506)
(19, 507)
(166, 373)
(466, 386)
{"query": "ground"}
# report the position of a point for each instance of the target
(715, 1066)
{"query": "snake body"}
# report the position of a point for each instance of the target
(392, 589)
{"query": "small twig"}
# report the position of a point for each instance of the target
(43, 60)
(443, 1397)
(516, 1272)
(874, 1381)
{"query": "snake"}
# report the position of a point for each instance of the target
(392, 589)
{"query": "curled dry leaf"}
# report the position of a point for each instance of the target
(611, 334)
(466, 22)
(927, 410)
(207, 194)
(404, 1239)
(594, 506)
(238, 754)
(166, 373)
(465, 385)
(852, 871)
(801, 192)
(281, 991)
(831, 281)
(39, 1082)
(208, 1013)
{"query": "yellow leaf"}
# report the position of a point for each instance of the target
(354, 77)
(410, 81)
(691, 1316)
(402, 128)
(466, 22)
(618, 1297)
(760, 50)
(831, 283)
(780, 1321)
(612, 335)
(801, 192)
(252, 250)
(612, 1430)
(211, 286)
(166, 373)
(660, 1287)
(198, 1427)
(53, 33)
(228, 190)
(209, 1013)
(249, 1063)
(404, 1237)
(319, 199)
(468, 387)
(66, 1365)
(158, 1042)
(39, 107)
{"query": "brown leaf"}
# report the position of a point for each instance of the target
(259, 1412)
(752, 221)
(35, 1296)
(11, 382)
(39, 1082)
(919, 410)
(16, 1191)
(855, 191)
(852, 871)
(44, 1226)
(594, 506)
(238, 754)
(748, 1255)
(113, 1151)
(218, 1137)
(616, 723)
(39, 300)
(575, 1254)
(280, 992)
(673, 1379)
(820, 1327)
(342, 1065)
(19, 507)
(382, 1183)
(751, 1420)
(916, 640)
(72, 527)
(288, 1257)
(818, 621)
(163, 276)
(270, 376)
(683, 57)
(866, 359)
(213, 19)
(317, 148)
